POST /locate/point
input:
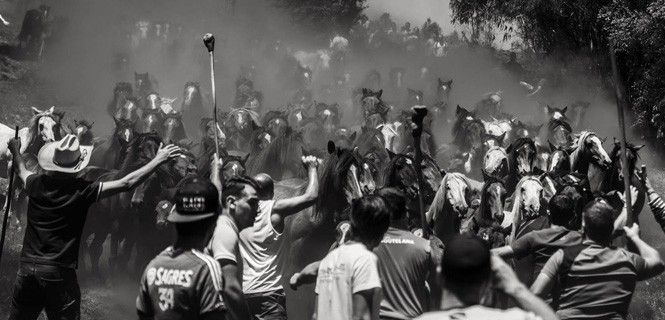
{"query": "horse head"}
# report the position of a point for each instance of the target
(557, 113)
(234, 164)
(522, 156)
(593, 150)
(443, 89)
(153, 101)
(173, 128)
(45, 125)
(631, 155)
(371, 103)
(142, 82)
(456, 192)
(495, 162)
(526, 130)
(124, 130)
(129, 110)
(559, 161)
(240, 120)
(492, 200)
(276, 122)
(528, 199)
(415, 97)
(83, 131)
(397, 77)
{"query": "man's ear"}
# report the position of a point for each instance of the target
(230, 200)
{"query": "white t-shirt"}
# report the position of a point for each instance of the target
(260, 248)
(349, 269)
(479, 313)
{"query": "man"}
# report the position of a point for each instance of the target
(468, 272)
(542, 244)
(348, 284)
(260, 245)
(182, 282)
(58, 203)
(595, 280)
(405, 264)
(240, 204)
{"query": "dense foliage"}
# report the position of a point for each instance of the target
(324, 17)
(559, 28)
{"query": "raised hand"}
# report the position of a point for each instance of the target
(166, 153)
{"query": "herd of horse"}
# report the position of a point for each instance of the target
(491, 180)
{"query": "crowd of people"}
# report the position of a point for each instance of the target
(565, 251)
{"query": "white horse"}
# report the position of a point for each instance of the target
(526, 203)
(590, 158)
(44, 123)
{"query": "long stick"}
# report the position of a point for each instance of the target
(209, 42)
(8, 203)
(417, 132)
(618, 89)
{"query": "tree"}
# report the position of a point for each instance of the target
(324, 17)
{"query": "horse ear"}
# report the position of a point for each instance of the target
(502, 137)
(616, 141)
(564, 109)
(365, 92)
(459, 110)
(510, 148)
(440, 81)
(36, 111)
(378, 94)
(331, 147)
(391, 154)
(353, 136)
(603, 140)
(442, 172)
(637, 148)
(50, 110)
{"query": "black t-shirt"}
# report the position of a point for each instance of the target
(181, 285)
(57, 209)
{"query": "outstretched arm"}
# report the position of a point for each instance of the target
(135, 178)
(653, 263)
(285, 207)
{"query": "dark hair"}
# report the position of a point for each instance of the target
(599, 221)
(562, 211)
(370, 218)
(190, 229)
(235, 187)
(396, 202)
(466, 262)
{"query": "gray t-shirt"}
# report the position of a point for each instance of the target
(405, 262)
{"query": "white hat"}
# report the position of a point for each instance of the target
(66, 155)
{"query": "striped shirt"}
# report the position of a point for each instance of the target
(596, 282)
(180, 285)
(657, 206)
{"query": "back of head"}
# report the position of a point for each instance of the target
(599, 221)
(370, 219)
(562, 211)
(396, 202)
(265, 186)
(466, 263)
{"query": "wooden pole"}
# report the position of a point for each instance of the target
(619, 90)
(8, 203)
(209, 42)
(417, 118)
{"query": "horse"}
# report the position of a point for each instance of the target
(442, 98)
(495, 163)
(329, 116)
(275, 122)
(34, 30)
(467, 130)
(370, 145)
(401, 173)
(498, 127)
(144, 84)
(525, 130)
(43, 127)
(450, 204)
(589, 158)
(614, 178)
(238, 126)
(109, 153)
(173, 129)
(281, 158)
(129, 111)
(235, 164)
(487, 218)
(559, 131)
(116, 215)
(309, 233)
(371, 103)
(490, 107)
(83, 131)
(526, 205)
(414, 98)
(152, 102)
(121, 92)
(152, 121)
(192, 101)
(522, 159)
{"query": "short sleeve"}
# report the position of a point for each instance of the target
(209, 288)
(92, 191)
(365, 273)
(551, 268)
(224, 241)
(640, 265)
(522, 246)
(143, 301)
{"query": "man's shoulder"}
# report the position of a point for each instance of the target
(479, 312)
(224, 222)
(405, 237)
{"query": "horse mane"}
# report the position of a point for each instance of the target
(331, 184)
(579, 147)
(280, 154)
(390, 176)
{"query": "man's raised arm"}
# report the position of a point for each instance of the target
(133, 179)
(285, 207)
(21, 170)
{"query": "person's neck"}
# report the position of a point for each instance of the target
(187, 243)
(226, 212)
(399, 224)
(450, 300)
(360, 241)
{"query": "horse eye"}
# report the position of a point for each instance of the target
(523, 190)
